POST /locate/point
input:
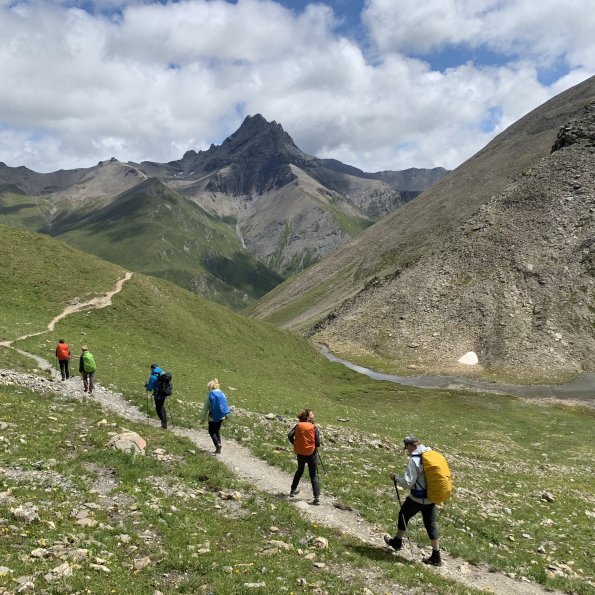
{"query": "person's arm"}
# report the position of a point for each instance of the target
(206, 407)
(291, 435)
(149, 383)
(317, 441)
(408, 479)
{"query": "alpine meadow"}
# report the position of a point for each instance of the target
(178, 519)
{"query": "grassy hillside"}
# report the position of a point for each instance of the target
(153, 230)
(505, 453)
(115, 523)
(39, 277)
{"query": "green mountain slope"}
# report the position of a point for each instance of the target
(39, 277)
(154, 230)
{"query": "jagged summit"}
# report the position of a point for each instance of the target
(258, 128)
(253, 144)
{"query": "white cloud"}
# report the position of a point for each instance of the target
(151, 80)
(546, 31)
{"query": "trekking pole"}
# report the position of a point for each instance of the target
(322, 463)
(402, 515)
(147, 393)
(171, 415)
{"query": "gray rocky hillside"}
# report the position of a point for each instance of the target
(415, 229)
(514, 283)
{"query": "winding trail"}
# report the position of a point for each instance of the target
(95, 303)
(265, 477)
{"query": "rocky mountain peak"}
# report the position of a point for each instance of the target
(256, 131)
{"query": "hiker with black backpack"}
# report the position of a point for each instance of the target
(420, 499)
(215, 409)
(160, 383)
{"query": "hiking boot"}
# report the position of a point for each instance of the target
(218, 449)
(434, 559)
(395, 542)
(293, 493)
(315, 502)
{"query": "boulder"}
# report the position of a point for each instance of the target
(129, 442)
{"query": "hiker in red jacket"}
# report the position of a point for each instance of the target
(63, 357)
(306, 439)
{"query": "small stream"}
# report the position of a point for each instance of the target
(582, 389)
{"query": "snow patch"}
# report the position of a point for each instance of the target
(469, 359)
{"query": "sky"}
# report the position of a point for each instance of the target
(378, 84)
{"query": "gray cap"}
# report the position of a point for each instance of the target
(410, 440)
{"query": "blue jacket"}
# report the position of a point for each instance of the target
(152, 382)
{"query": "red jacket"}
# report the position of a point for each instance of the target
(62, 351)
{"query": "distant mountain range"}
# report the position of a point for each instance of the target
(229, 223)
(496, 258)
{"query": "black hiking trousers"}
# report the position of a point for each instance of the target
(312, 462)
(161, 412)
(64, 371)
(215, 432)
(428, 512)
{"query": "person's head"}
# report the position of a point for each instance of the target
(306, 415)
(61, 341)
(410, 443)
(213, 384)
(84, 348)
(153, 366)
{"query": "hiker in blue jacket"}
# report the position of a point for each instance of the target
(153, 385)
(216, 409)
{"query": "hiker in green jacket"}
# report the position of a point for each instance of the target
(87, 369)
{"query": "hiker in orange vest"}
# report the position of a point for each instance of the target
(306, 439)
(414, 479)
(63, 357)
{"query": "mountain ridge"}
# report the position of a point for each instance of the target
(283, 209)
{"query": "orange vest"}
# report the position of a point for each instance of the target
(62, 351)
(304, 442)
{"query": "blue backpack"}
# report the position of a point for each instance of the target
(218, 406)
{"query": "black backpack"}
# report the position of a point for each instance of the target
(164, 385)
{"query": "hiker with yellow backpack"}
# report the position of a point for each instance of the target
(428, 478)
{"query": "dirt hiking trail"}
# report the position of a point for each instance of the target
(265, 477)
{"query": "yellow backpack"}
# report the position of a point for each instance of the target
(438, 481)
